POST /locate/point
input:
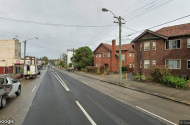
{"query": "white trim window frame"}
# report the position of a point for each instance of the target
(109, 55)
(173, 63)
(130, 66)
(173, 44)
(188, 64)
(130, 54)
(104, 54)
(188, 43)
(96, 64)
(97, 55)
(100, 55)
(146, 64)
(140, 63)
(141, 46)
(154, 63)
(154, 45)
(146, 46)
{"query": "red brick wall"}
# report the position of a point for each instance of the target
(160, 55)
(113, 61)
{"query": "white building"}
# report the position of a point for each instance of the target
(69, 56)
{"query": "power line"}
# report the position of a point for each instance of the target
(49, 24)
(159, 25)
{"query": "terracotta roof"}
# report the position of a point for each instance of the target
(124, 47)
(177, 30)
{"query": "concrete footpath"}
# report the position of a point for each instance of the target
(177, 95)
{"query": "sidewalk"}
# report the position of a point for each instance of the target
(178, 95)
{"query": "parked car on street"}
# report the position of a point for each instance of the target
(8, 87)
(30, 71)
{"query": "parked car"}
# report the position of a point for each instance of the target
(20, 76)
(8, 87)
(30, 71)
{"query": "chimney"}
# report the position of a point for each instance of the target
(113, 45)
(113, 59)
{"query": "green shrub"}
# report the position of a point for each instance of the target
(174, 81)
(158, 73)
(91, 69)
(142, 77)
(83, 69)
(124, 68)
(98, 72)
(102, 69)
(137, 77)
(149, 79)
(21, 71)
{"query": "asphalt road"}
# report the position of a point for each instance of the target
(18, 106)
(63, 100)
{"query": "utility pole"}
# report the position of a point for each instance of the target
(73, 59)
(24, 51)
(120, 58)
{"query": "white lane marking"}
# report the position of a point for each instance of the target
(62, 81)
(66, 88)
(84, 82)
(156, 115)
(83, 110)
(33, 88)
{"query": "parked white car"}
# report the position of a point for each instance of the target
(8, 87)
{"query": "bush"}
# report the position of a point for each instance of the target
(124, 68)
(174, 81)
(137, 76)
(149, 79)
(83, 69)
(158, 73)
(91, 69)
(102, 69)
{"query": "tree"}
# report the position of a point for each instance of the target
(45, 58)
(83, 57)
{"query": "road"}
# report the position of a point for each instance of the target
(63, 100)
(17, 107)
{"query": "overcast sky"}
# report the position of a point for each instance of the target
(54, 40)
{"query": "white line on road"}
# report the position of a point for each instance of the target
(62, 81)
(63, 84)
(84, 82)
(156, 115)
(83, 110)
(34, 88)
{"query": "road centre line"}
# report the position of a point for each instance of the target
(155, 115)
(62, 81)
(66, 88)
(33, 88)
(87, 115)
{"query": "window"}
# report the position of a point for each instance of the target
(146, 46)
(188, 64)
(123, 57)
(96, 64)
(133, 54)
(130, 65)
(188, 43)
(173, 64)
(173, 44)
(108, 54)
(104, 55)
(96, 55)
(99, 55)
(154, 63)
(140, 63)
(146, 64)
(154, 45)
(140, 46)
(99, 64)
(130, 54)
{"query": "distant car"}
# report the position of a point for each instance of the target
(8, 87)
(53, 69)
(38, 72)
(20, 76)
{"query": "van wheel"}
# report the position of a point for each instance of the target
(18, 91)
(3, 102)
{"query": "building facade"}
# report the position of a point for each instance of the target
(168, 47)
(10, 53)
(108, 56)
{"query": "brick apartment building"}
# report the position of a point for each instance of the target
(168, 47)
(108, 56)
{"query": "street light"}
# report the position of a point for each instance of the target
(120, 23)
(25, 46)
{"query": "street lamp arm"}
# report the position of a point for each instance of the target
(32, 38)
(113, 14)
